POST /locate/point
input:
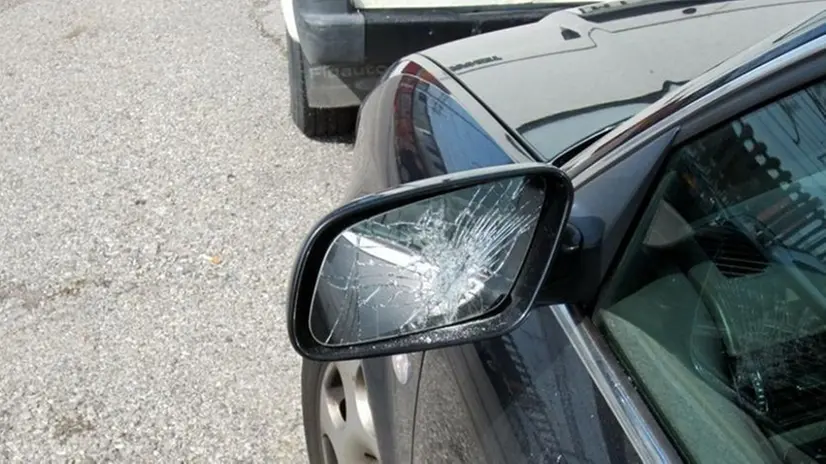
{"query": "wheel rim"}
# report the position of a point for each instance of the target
(347, 433)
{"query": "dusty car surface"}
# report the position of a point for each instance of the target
(607, 245)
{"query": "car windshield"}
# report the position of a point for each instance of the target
(552, 137)
(567, 132)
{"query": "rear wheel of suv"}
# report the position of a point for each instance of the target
(338, 421)
(313, 122)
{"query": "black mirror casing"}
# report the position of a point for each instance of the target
(506, 316)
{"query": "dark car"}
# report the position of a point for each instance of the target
(669, 304)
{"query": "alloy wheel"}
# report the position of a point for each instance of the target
(347, 433)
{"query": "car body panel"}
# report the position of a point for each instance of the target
(420, 124)
(522, 397)
(397, 142)
(620, 66)
(525, 397)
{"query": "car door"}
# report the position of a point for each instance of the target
(717, 308)
(705, 340)
(545, 392)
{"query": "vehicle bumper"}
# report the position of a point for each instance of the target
(348, 50)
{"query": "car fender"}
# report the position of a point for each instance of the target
(417, 123)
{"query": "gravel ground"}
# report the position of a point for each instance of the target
(153, 193)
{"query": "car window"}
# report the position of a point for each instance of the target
(717, 308)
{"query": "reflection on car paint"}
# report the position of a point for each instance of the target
(469, 145)
(523, 398)
(401, 367)
(435, 135)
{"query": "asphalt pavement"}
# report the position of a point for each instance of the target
(153, 194)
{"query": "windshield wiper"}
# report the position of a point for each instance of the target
(607, 11)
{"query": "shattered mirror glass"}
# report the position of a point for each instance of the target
(425, 265)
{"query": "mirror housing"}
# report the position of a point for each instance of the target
(312, 273)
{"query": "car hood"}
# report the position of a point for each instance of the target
(570, 75)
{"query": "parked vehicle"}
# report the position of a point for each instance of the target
(338, 49)
(606, 245)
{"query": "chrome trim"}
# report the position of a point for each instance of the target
(777, 64)
(633, 415)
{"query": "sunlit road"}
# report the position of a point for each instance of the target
(153, 193)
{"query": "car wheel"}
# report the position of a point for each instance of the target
(313, 122)
(338, 422)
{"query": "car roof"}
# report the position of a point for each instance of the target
(728, 72)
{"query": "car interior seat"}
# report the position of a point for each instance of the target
(684, 313)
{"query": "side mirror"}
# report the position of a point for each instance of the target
(434, 263)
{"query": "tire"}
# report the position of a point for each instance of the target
(313, 122)
(320, 449)
(311, 377)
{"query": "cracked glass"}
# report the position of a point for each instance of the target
(428, 264)
(718, 306)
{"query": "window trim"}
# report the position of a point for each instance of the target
(754, 95)
(634, 416)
